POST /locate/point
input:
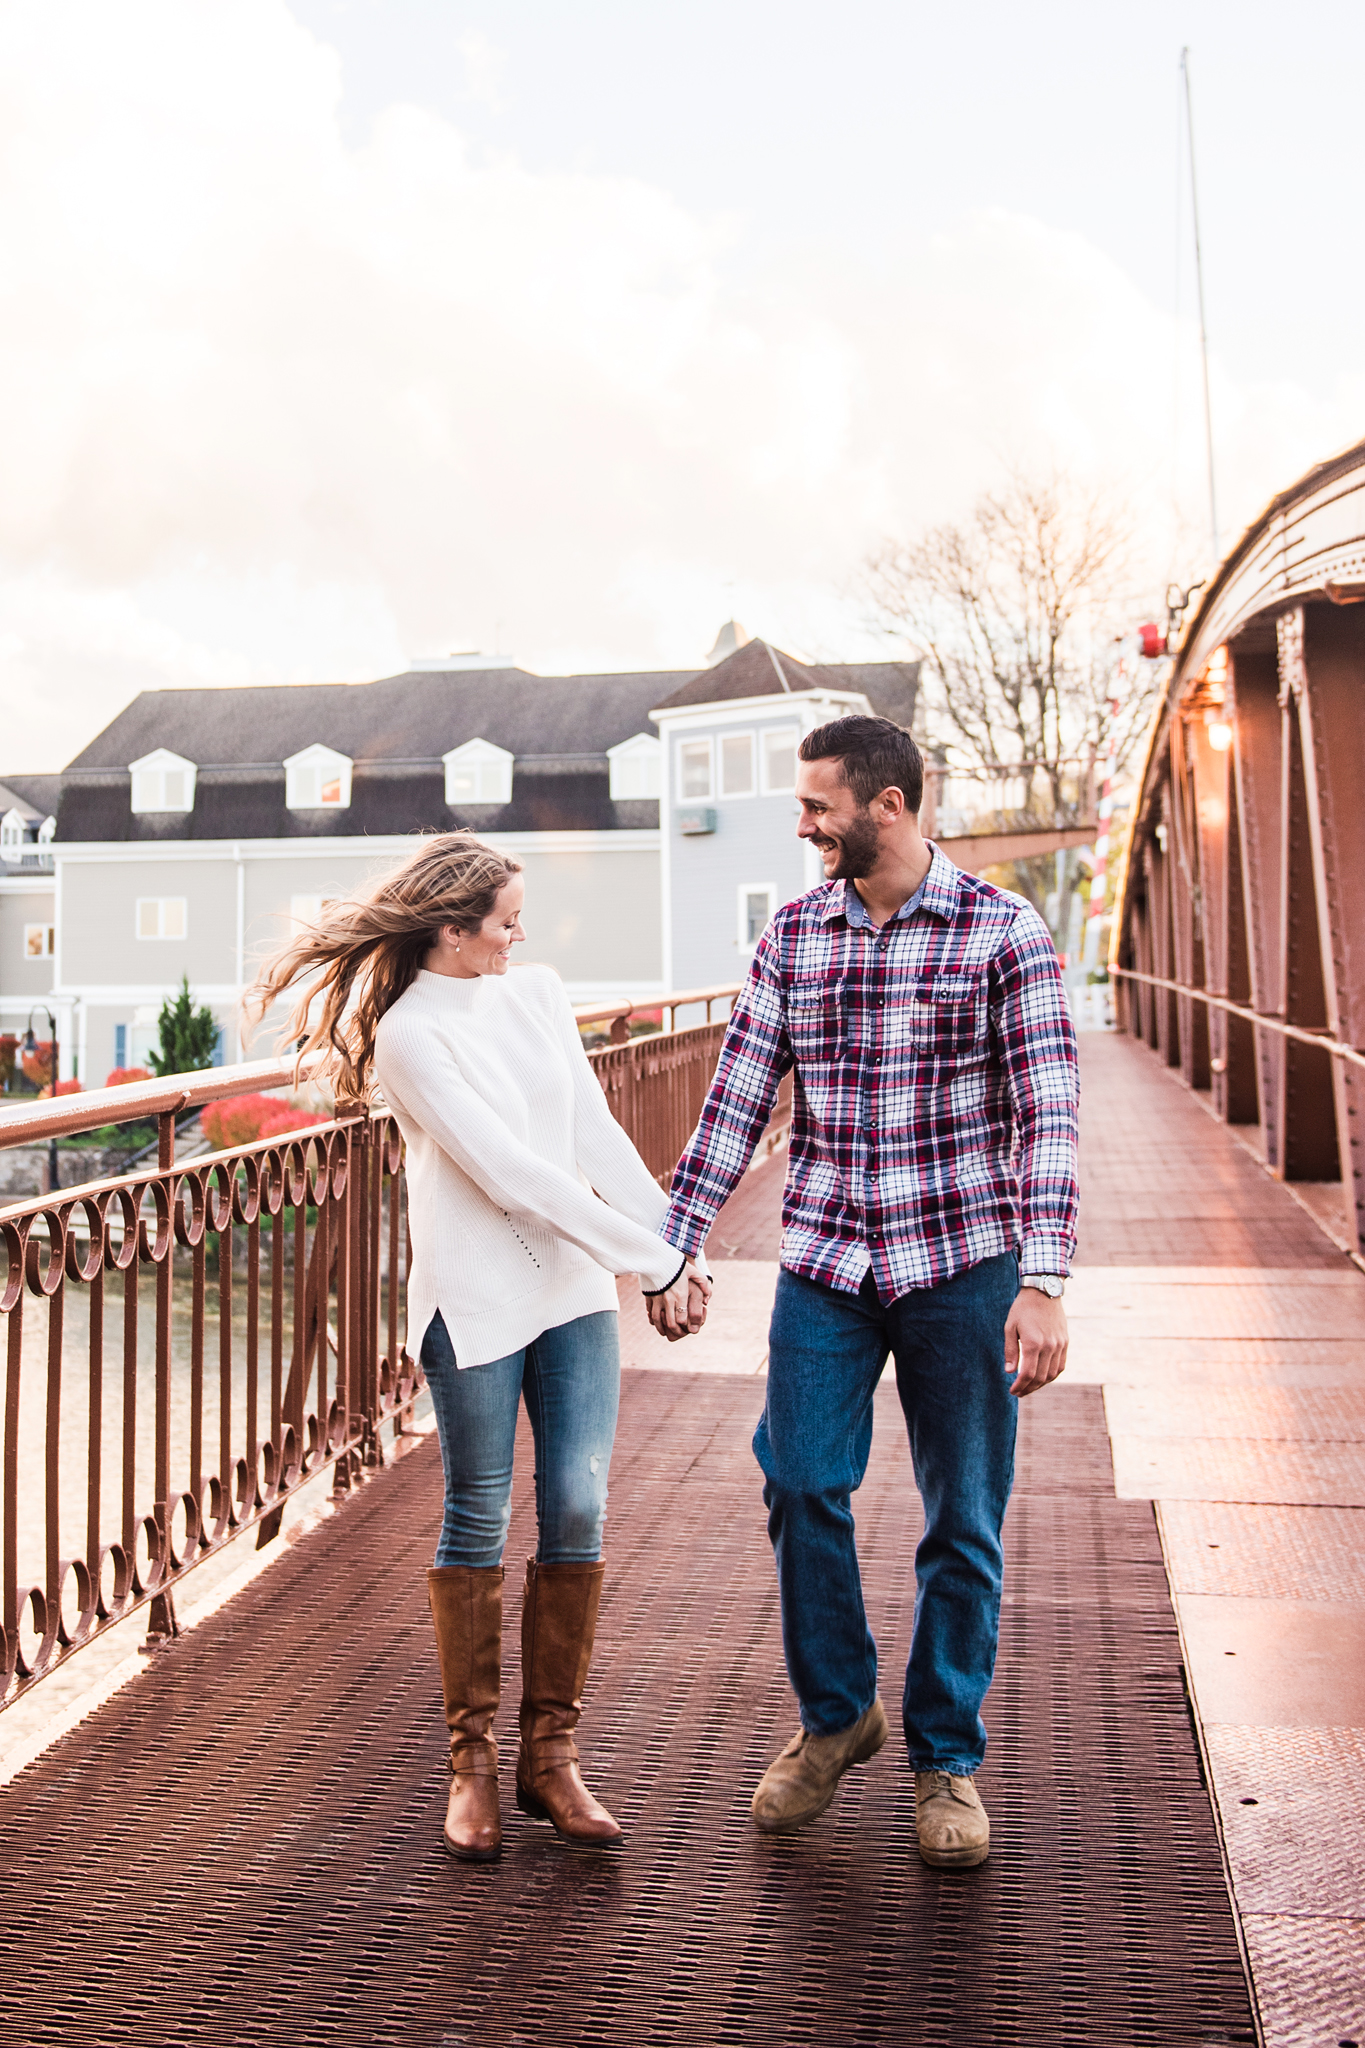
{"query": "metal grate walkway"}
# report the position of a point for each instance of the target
(243, 1846)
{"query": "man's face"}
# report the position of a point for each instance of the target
(845, 835)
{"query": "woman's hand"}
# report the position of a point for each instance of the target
(680, 1310)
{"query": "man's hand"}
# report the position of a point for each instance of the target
(681, 1310)
(1035, 1340)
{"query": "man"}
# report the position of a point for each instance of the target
(929, 1214)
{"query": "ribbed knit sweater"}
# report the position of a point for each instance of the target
(508, 1133)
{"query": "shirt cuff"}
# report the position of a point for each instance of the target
(685, 1231)
(1046, 1251)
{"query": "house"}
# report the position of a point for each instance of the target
(652, 812)
(28, 917)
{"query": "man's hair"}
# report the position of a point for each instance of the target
(873, 755)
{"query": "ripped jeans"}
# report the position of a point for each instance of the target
(570, 1378)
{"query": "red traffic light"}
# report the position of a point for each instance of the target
(1152, 642)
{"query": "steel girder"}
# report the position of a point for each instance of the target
(1245, 875)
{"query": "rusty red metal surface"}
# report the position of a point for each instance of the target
(188, 1345)
(277, 1257)
(1240, 934)
(244, 1846)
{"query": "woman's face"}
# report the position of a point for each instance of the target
(489, 949)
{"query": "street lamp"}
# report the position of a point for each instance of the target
(31, 1045)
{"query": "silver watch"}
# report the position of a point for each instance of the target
(1046, 1283)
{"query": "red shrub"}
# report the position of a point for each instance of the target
(121, 1076)
(72, 1087)
(38, 1063)
(245, 1118)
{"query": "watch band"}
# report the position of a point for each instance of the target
(1051, 1284)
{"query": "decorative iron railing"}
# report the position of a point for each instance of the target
(190, 1343)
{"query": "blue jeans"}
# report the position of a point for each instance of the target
(826, 1354)
(571, 1380)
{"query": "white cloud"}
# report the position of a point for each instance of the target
(274, 407)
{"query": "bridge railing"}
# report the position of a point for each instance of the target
(188, 1344)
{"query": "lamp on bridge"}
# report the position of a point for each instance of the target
(1218, 730)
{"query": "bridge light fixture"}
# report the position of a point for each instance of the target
(1219, 733)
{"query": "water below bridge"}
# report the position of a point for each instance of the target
(242, 1846)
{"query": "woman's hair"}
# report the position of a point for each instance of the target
(366, 951)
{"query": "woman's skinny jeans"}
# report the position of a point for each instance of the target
(571, 1380)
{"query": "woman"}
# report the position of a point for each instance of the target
(511, 1289)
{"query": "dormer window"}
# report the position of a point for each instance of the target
(636, 768)
(47, 832)
(163, 782)
(478, 773)
(318, 779)
(11, 836)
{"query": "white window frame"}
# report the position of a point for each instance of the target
(636, 760)
(768, 734)
(305, 911)
(490, 766)
(697, 740)
(161, 906)
(309, 772)
(724, 739)
(47, 832)
(148, 792)
(47, 946)
(744, 891)
(12, 829)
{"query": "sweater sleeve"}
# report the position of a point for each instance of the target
(604, 1152)
(421, 1077)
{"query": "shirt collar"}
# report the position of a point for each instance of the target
(937, 893)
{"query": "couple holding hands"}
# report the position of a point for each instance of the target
(929, 1215)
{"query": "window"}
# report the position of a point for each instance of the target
(163, 782)
(756, 904)
(737, 764)
(120, 1046)
(11, 836)
(40, 941)
(478, 773)
(47, 832)
(636, 768)
(779, 761)
(306, 910)
(161, 917)
(694, 770)
(317, 779)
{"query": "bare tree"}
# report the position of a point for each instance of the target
(1017, 611)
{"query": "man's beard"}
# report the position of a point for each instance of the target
(858, 847)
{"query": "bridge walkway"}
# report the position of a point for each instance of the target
(242, 1846)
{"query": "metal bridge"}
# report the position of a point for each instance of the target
(221, 1744)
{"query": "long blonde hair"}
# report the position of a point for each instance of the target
(370, 948)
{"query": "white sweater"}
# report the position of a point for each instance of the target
(507, 1133)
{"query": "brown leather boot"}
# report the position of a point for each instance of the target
(558, 1623)
(466, 1606)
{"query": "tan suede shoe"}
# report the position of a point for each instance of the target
(801, 1782)
(952, 1825)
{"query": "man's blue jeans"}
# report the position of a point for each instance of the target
(826, 1354)
(571, 1380)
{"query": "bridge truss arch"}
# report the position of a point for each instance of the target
(1239, 938)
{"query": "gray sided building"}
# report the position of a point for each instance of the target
(653, 814)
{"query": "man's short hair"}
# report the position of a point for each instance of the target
(873, 755)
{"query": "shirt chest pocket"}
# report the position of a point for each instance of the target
(943, 1016)
(815, 1021)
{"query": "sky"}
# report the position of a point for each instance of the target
(340, 332)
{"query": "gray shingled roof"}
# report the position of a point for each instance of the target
(33, 796)
(759, 670)
(395, 731)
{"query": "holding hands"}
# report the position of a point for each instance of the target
(680, 1310)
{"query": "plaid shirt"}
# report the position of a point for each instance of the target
(934, 1118)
